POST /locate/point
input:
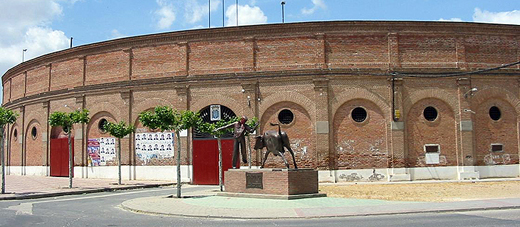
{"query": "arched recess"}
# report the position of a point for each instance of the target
(14, 153)
(300, 131)
(440, 132)
(496, 140)
(147, 105)
(289, 96)
(95, 132)
(221, 100)
(358, 93)
(414, 97)
(360, 143)
(35, 155)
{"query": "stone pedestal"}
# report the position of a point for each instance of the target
(271, 183)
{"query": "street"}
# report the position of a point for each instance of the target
(102, 209)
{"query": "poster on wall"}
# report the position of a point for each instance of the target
(154, 145)
(101, 150)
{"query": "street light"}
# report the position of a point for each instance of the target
(283, 11)
(23, 55)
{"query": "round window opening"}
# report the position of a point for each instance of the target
(285, 116)
(15, 134)
(494, 113)
(430, 113)
(101, 125)
(34, 132)
(359, 114)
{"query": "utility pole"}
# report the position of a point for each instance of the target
(23, 54)
(283, 11)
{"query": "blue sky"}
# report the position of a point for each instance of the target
(44, 26)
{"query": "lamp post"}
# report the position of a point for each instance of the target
(23, 54)
(283, 11)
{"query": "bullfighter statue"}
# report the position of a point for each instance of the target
(239, 130)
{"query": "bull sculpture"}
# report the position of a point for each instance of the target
(275, 142)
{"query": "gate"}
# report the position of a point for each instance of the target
(205, 151)
(59, 157)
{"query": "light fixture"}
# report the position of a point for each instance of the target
(249, 101)
(471, 92)
(468, 110)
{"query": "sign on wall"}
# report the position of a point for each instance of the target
(101, 150)
(214, 112)
(154, 145)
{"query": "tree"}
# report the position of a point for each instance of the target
(67, 121)
(165, 118)
(210, 128)
(119, 130)
(6, 117)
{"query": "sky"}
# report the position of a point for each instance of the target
(45, 26)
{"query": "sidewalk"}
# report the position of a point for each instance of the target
(206, 204)
(30, 187)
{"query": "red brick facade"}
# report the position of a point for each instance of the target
(320, 71)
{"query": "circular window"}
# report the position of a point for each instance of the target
(359, 114)
(15, 134)
(430, 113)
(34, 132)
(494, 113)
(285, 116)
(101, 125)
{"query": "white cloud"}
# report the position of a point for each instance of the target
(25, 24)
(165, 13)
(509, 17)
(115, 34)
(318, 4)
(455, 19)
(195, 11)
(247, 15)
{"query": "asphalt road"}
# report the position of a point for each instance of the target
(102, 209)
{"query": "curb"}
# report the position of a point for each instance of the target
(85, 191)
(124, 207)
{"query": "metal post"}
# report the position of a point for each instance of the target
(283, 11)
(23, 54)
(2, 157)
(223, 12)
(237, 12)
(71, 42)
(209, 13)
(177, 133)
(249, 151)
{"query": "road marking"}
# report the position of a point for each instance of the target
(22, 209)
(27, 208)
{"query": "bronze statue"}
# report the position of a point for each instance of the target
(239, 129)
(275, 142)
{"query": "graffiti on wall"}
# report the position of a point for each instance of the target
(154, 145)
(497, 159)
(298, 148)
(101, 150)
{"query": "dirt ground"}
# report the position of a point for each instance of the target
(431, 192)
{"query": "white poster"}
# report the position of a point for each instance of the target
(150, 145)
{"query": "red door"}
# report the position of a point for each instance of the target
(205, 160)
(60, 157)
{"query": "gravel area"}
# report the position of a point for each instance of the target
(428, 192)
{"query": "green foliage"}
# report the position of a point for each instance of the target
(252, 123)
(7, 116)
(119, 130)
(210, 128)
(66, 120)
(165, 118)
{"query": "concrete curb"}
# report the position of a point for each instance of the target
(124, 207)
(83, 191)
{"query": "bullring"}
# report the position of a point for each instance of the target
(370, 100)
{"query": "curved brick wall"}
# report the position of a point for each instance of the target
(318, 70)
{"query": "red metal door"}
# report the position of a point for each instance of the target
(60, 157)
(205, 160)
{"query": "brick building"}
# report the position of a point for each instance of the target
(359, 100)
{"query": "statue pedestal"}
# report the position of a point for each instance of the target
(272, 183)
